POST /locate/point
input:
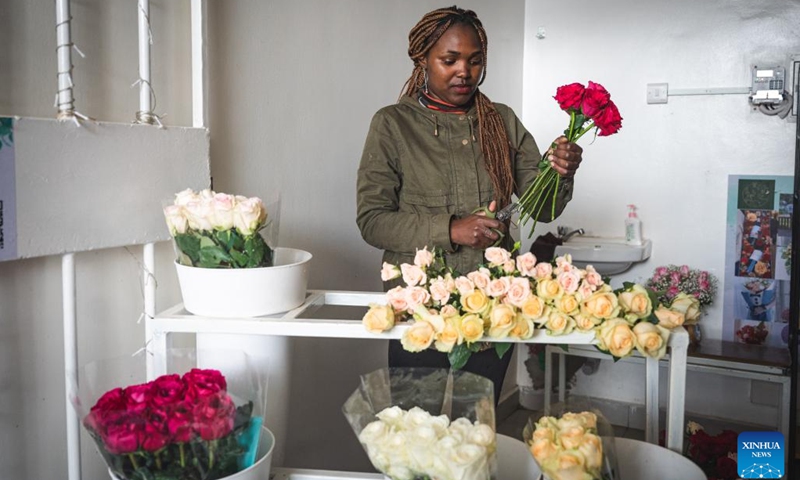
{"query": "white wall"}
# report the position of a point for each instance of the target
(671, 160)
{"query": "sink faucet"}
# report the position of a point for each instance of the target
(565, 234)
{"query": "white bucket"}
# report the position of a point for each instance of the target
(246, 292)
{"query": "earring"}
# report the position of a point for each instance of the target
(425, 84)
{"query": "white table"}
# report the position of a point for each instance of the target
(296, 323)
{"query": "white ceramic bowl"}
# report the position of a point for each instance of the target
(246, 292)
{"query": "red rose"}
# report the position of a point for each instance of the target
(213, 416)
(123, 438)
(156, 435)
(570, 97)
(137, 397)
(110, 404)
(726, 468)
(202, 383)
(167, 390)
(608, 120)
(179, 422)
(595, 99)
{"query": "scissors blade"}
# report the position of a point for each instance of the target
(507, 212)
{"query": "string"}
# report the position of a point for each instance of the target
(147, 117)
(66, 110)
(149, 277)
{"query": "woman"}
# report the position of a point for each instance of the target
(441, 153)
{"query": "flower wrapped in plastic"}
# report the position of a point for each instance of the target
(426, 424)
(195, 423)
(574, 442)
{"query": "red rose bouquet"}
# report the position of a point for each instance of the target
(589, 108)
(176, 427)
(715, 454)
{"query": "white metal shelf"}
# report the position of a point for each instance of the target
(302, 322)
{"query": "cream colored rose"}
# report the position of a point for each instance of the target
(586, 323)
(198, 214)
(526, 264)
(471, 328)
(496, 256)
(184, 197)
(533, 308)
(423, 258)
(413, 275)
(616, 337)
(418, 337)
(449, 337)
(543, 271)
(379, 318)
(416, 296)
(249, 215)
(431, 316)
(510, 266)
(543, 449)
(592, 451)
(464, 285)
(480, 277)
(398, 299)
(523, 328)
(651, 340)
(498, 287)
(475, 302)
(518, 291)
(222, 205)
(389, 272)
(569, 281)
(568, 304)
(636, 302)
(440, 291)
(601, 304)
(549, 289)
(559, 323)
(176, 220)
(482, 435)
(572, 436)
(669, 318)
(501, 320)
(688, 305)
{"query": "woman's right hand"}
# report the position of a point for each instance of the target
(476, 230)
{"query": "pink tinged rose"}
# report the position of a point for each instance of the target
(569, 281)
(389, 272)
(417, 296)
(518, 291)
(498, 287)
(497, 256)
(594, 279)
(413, 275)
(176, 220)
(585, 290)
(198, 214)
(186, 196)
(661, 271)
(439, 291)
(398, 299)
(423, 258)
(510, 266)
(480, 278)
(249, 215)
(543, 271)
(223, 206)
(526, 264)
(464, 285)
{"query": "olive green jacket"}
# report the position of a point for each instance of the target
(422, 168)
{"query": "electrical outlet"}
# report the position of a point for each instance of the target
(657, 93)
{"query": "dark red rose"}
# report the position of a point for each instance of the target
(202, 383)
(156, 435)
(179, 422)
(167, 390)
(213, 416)
(608, 120)
(726, 468)
(110, 405)
(138, 397)
(570, 97)
(123, 438)
(595, 99)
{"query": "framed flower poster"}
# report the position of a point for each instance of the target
(8, 210)
(757, 259)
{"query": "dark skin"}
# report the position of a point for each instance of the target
(454, 66)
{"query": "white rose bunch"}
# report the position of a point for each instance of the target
(407, 444)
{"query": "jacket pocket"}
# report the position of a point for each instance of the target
(433, 202)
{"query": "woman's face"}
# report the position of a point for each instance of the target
(454, 65)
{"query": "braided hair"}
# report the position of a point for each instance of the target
(492, 132)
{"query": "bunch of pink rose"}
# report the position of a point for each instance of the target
(670, 280)
(174, 427)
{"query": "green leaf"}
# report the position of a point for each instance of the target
(189, 245)
(458, 356)
(239, 258)
(501, 348)
(223, 238)
(213, 257)
(255, 249)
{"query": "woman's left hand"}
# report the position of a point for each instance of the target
(565, 157)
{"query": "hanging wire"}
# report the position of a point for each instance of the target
(66, 110)
(782, 109)
(147, 117)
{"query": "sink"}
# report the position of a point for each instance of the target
(608, 255)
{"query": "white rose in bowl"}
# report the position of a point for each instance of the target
(249, 215)
(176, 220)
(184, 197)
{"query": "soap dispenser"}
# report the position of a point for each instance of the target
(633, 227)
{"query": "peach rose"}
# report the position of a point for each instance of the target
(389, 272)
(398, 299)
(543, 271)
(518, 291)
(523, 328)
(448, 311)
(423, 258)
(543, 449)
(564, 263)
(669, 318)
(592, 451)
(549, 289)
(464, 285)
(533, 308)
(602, 304)
(496, 256)
(572, 436)
(568, 304)
(636, 303)
(449, 337)
(418, 337)
(651, 340)
(569, 281)
(586, 323)
(526, 264)
(510, 266)
(480, 278)
(471, 328)
(439, 291)
(498, 287)
(616, 337)
(476, 302)
(378, 318)
(688, 305)
(501, 320)
(416, 296)
(413, 275)
(433, 317)
(559, 324)
(761, 268)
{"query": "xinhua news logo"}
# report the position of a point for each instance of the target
(760, 455)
